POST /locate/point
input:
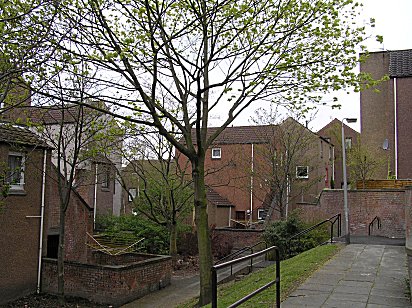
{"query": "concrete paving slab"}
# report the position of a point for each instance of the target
(359, 276)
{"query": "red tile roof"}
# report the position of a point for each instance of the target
(14, 134)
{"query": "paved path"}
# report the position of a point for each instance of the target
(359, 276)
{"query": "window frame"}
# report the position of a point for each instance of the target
(217, 156)
(302, 177)
(348, 143)
(260, 213)
(20, 185)
(105, 177)
(132, 194)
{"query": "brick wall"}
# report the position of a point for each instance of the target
(109, 284)
(364, 205)
(239, 238)
(19, 229)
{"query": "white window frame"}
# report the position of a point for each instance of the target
(348, 143)
(105, 176)
(132, 194)
(302, 177)
(260, 214)
(19, 185)
(216, 156)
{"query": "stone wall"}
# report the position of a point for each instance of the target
(109, 284)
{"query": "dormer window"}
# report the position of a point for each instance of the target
(216, 153)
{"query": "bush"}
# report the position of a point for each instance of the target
(156, 238)
(279, 233)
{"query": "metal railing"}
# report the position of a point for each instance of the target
(239, 252)
(336, 219)
(215, 268)
(371, 224)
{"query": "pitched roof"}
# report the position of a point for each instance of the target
(400, 63)
(240, 134)
(18, 135)
(213, 197)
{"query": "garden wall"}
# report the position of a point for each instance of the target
(122, 280)
(364, 205)
(238, 238)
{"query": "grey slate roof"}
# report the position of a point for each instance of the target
(13, 134)
(213, 197)
(400, 63)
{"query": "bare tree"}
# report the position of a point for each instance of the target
(289, 145)
(156, 184)
(362, 163)
(206, 57)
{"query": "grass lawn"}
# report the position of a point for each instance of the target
(292, 273)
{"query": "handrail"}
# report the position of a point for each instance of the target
(332, 220)
(371, 224)
(247, 297)
(238, 252)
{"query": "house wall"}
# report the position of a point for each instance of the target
(19, 240)
(79, 222)
(364, 205)
(377, 111)
(334, 131)
(404, 120)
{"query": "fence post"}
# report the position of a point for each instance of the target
(214, 288)
(277, 278)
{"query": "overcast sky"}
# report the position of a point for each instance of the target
(394, 23)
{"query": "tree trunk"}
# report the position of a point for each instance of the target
(203, 232)
(172, 240)
(60, 256)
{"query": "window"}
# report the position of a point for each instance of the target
(216, 153)
(261, 214)
(15, 170)
(132, 194)
(302, 172)
(105, 176)
(348, 143)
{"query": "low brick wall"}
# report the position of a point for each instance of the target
(110, 284)
(239, 238)
(364, 205)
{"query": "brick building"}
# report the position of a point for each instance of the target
(332, 132)
(24, 158)
(385, 114)
(242, 162)
(99, 155)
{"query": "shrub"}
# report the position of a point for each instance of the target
(279, 233)
(156, 237)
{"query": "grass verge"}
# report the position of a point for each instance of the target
(292, 273)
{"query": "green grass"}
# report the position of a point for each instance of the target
(292, 273)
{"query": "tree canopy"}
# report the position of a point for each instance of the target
(149, 58)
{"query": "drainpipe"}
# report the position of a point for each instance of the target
(230, 215)
(251, 187)
(95, 197)
(43, 194)
(396, 128)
